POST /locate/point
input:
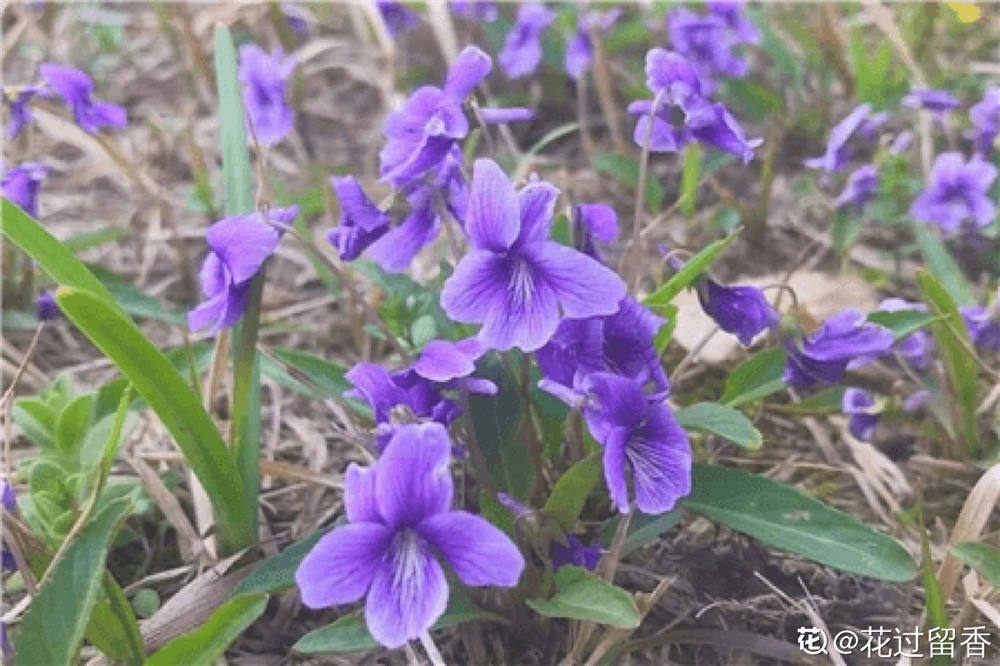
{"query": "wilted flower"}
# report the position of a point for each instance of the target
(397, 16)
(522, 51)
(361, 221)
(20, 114)
(985, 116)
(956, 191)
(515, 280)
(593, 221)
(859, 190)
(22, 184)
(983, 326)
(844, 341)
(265, 77)
(863, 410)
(707, 42)
(400, 522)
(476, 10)
(575, 552)
(46, 308)
(837, 153)
(580, 50)
(422, 133)
(740, 310)
(76, 88)
(731, 13)
(238, 247)
(937, 102)
(915, 348)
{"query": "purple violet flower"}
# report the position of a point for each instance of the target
(871, 124)
(396, 248)
(731, 13)
(76, 88)
(46, 308)
(20, 114)
(518, 509)
(297, 20)
(937, 102)
(397, 17)
(917, 347)
(512, 114)
(844, 341)
(917, 400)
(8, 496)
(579, 49)
(640, 435)
(707, 42)
(982, 325)
(593, 222)
(863, 410)
(264, 78)
(400, 522)
(22, 184)
(837, 153)
(238, 247)
(422, 133)
(575, 552)
(522, 50)
(901, 143)
(516, 280)
(859, 190)
(956, 191)
(741, 310)
(444, 360)
(476, 10)
(985, 117)
(361, 221)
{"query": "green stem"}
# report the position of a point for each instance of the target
(136, 654)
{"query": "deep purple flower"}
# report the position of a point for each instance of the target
(956, 191)
(238, 247)
(422, 133)
(740, 310)
(845, 340)
(917, 347)
(8, 497)
(985, 117)
(639, 435)
(579, 49)
(395, 250)
(621, 343)
(361, 221)
(20, 114)
(901, 143)
(983, 326)
(476, 10)
(397, 16)
(859, 190)
(400, 522)
(511, 114)
(731, 13)
(593, 222)
(863, 410)
(76, 88)
(937, 102)
(22, 184)
(516, 280)
(575, 552)
(46, 308)
(837, 153)
(522, 51)
(265, 77)
(707, 42)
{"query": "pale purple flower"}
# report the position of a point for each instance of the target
(916, 400)
(423, 132)
(575, 552)
(983, 326)
(957, 191)
(515, 281)
(985, 117)
(579, 49)
(522, 50)
(741, 310)
(937, 102)
(731, 13)
(443, 360)
(265, 78)
(837, 152)
(511, 114)
(917, 347)
(22, 184)
(76, 88)
(296, 18)
(871, 124)
(593, 222)
(901, 143)
(46, 308)
(844, 341)
(361, 221)
(518, 509)
(642, 439)
(859, 190)
(400, 527)
(863, 410)
(707, 42)
(238, 247)
(397, 16)
(476, 10)
(20, 114)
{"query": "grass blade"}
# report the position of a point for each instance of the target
(204, 645)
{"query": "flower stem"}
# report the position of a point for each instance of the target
(432, 652)
(640, 198)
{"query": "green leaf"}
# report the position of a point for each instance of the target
(85, 240)
(689, 178)
(146, 602)
(757, 377)
(827, 400)
(985, 559)
(583, 596)
(54, 624)
(278, 572)
(571, 490)
(643, 529)
(135, 301)
(237, 176)
(957, 354)
(38, 421)
(720, 420)
(781, 516)
(942, 265)
(73, 423)
(694, 267)
(205, 644)
(156, 380)
(901, 322)
(327, 375)
(934, 603)
(626, 171)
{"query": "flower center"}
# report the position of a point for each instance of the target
(408, 559)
